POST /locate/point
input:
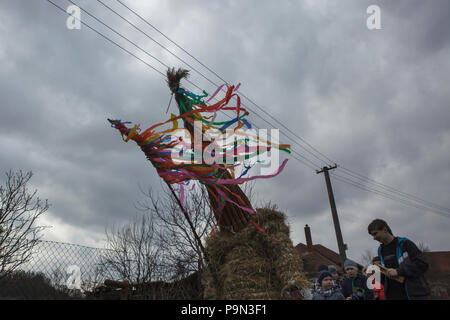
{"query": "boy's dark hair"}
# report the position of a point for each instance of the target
(378, 224)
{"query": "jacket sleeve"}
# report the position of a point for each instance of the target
(415, 264)
(346, 292)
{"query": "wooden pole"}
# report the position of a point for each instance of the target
(337, 227)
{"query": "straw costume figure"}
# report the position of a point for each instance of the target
(230, 217)
(251, 255)
(245, 263)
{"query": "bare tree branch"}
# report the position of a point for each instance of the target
(173, 229)
(423, 247)
(133, 251)
(367, 257)
(160, 246)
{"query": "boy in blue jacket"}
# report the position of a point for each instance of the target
(354, 286)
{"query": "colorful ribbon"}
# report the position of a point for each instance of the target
(172, 156)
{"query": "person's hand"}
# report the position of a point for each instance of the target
(392, 272)
(349, 298)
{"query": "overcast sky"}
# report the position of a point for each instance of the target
(373, 101)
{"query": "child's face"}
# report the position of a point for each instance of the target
(351, 272)
(327, 283)
(380, 235)
(335, 275)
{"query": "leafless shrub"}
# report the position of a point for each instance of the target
(19, 211)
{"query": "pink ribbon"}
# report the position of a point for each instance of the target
(215, 93)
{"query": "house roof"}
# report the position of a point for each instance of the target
(319, 254)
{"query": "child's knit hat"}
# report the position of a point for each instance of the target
(322, 276)
(350, 264)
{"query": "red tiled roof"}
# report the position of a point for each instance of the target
(301, 248)
(317, 256)
(329, 254)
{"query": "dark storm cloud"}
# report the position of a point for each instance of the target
(373, 101)
(58, 91)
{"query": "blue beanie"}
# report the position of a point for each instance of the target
(322, 276)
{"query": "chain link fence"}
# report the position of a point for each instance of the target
(67, 271)
(55, 271)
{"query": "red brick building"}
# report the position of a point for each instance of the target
(314, 255)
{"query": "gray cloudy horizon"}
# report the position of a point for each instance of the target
(373, 101)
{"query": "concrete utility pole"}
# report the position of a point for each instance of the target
(342, 247)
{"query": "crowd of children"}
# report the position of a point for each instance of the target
(353, 286)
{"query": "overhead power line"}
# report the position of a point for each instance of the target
(205, 77)
(109, 39)
(173, 42)
(314, 165)
(391, 189)
(389, 196)
(225, 81)
(347, 171)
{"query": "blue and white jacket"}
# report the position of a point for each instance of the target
(411, 265)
